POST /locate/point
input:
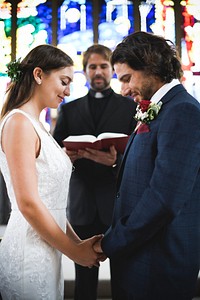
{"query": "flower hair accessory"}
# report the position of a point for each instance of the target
(14, 71)
(147, 111)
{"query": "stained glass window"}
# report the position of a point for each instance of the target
(5, 35)
(75, 25)
(191, 45)
(75, 35)
(115, 22)
(34, 20)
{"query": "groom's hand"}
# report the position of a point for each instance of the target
(97, 248)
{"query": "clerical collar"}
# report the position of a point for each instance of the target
(101, 94)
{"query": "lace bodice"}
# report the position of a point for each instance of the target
(28, 265)
(52, 164)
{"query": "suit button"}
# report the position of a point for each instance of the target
(117, 196)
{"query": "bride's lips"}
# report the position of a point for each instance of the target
(61, 98)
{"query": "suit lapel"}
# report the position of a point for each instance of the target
(120, 172)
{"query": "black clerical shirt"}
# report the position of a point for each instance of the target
(98, 105)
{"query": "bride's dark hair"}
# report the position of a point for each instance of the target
(21, 88)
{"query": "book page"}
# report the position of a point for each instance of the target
(81, 138)
(108, 135)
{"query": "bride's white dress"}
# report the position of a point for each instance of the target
(30, 269)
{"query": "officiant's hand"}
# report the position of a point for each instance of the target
(73, 155)
(107, 158)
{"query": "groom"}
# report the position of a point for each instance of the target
(154, 240)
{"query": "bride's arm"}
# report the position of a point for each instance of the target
(21, 145)
(72, 234)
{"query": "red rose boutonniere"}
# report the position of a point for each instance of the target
(146, 112)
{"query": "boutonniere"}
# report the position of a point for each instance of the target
(147, 111)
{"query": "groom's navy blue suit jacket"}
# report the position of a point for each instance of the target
(154, 240)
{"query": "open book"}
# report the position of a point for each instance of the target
(102, 142)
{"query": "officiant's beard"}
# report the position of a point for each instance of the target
(100, 85)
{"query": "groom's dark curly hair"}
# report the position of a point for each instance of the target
(150, 53)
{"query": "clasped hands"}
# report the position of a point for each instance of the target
(97, 248)
(88, 252)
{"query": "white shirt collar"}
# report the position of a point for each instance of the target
(163, 90)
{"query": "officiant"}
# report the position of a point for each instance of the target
(93, 182)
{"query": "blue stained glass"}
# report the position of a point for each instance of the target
(76, 27)
(42, 21)
(116, 22)
(70, 27)
(151, 18)
(131, 19)
(45, 17)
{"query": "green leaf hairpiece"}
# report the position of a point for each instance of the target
(13, 70)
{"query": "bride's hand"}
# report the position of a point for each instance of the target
(85, 254)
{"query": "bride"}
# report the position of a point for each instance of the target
(37, 173)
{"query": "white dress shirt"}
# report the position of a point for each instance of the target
(163, 90)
